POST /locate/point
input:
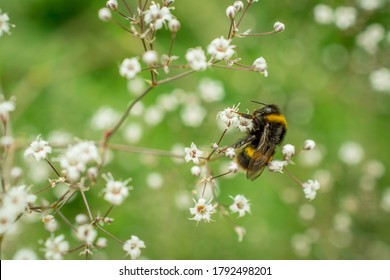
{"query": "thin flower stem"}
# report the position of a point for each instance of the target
(296, 180)
(52, 166)
(63, 203)
(220, 175)
(86, 205)
(219, 142)
(175, 77)
(173, 37)
(66, 221)
(247, 68)
(109, 234)
(243, 14)
(141, 150)
(230, 34)
(41, 190)
(128, 7)
(260, 34)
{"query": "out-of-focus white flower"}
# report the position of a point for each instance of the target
(238, 5)
(279, 27)
(86, 233)
(133, 132)
(193, 115)
(133, 247)
(240, 232)
(6, 141)
(6, 106)
(229, 116)
(196, 170)
(370, 37)
(370, 5)
(345, 17)
(309, 144)
(240, 205)
(25, 254)
(310, 188)
(230, 152)
(105, 14)
(101, 242)
(154, 180)
(351, 153)
(202, 210)
(7, 219)
(380, 79)
(277, 165)
(16, 200)
(38, 149)
(211, 90)
(261, 66)
(136, 86)
(129, 68)
(4, 24)
(153, 115)
(81, 219)
(150, 57)
(115, 191)
(104, 118)
(196, 59)
(157, 16)
(56, 247)
(174, 25)
(323, 14)
(192, 154)
(220, 48)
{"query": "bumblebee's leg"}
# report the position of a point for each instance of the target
(243, 142)
(247, 116)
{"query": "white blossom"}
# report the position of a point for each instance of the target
(345, 17)
(174, 25)
(129, 68)
(233, 167)
(229, 116)
(112, 4)
(38, 149)
(6, 106)
(16, 200)
(202, 210)
(279, 27)
(133, 247)
(310, 188)
(86, 233)
(323, 14)
(277, 165)
(196, 170)
(104, 14)
(240, 205)
(351, 153)
(244, 124)
(261, 66)
(7, 219)
(231, 12)
(196, 59)
(157, 16)
(309, 144)
(4, 24)
(211, 90)
(288, 151)
(115, 191)
(220, 48)
(25, 254)
(230, 152)
(380, 80)
(150, 57)
(56, 247)
(192, 153)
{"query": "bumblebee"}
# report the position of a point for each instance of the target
(255, 151)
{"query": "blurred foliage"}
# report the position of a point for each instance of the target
(61, 63)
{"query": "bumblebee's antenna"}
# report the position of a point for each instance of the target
(259, 103)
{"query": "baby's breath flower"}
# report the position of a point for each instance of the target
(310, 188)
(202, 210)
(133, 247)
(105, 14)
(55, 247)
(309, 144)
(279, 27)
(104, 118)
(4, 25)
(345, 17)
(6, 106)
(196, 59)
(112, 4)
(240, 205)
(196, 170)
(101, 242)
(25, 254)
(174, 25)
(220, 48)
(211, 90)
(261, 66)
(86, 233)
(244, 124)
(351, 153)
(238, 5)
(51, 226)
(81, 219)
(276, 165)
(288, 151)
(240, 232)
(380, 79)
(150, 57)
(192, 154)
(157, 16)
(230, 152)
(323, 14)
(38, 149)
(16, 200)
(231, 12)
(233, 167)
(229, 116)
(7, 219)
(116, 191)
(129, 68)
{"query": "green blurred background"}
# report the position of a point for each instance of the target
(61, 63)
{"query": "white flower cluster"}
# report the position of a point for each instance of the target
(14, 201)
(76, 159)
(38, 149)
(230, 117)
(6, 107)
(310, 188)
(5, 26)
(343, 17)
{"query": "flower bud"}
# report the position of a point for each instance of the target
(279, 27)
(174, 25)
(112, 4)
(231, 12)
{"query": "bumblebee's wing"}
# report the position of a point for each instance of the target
(261, 156)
